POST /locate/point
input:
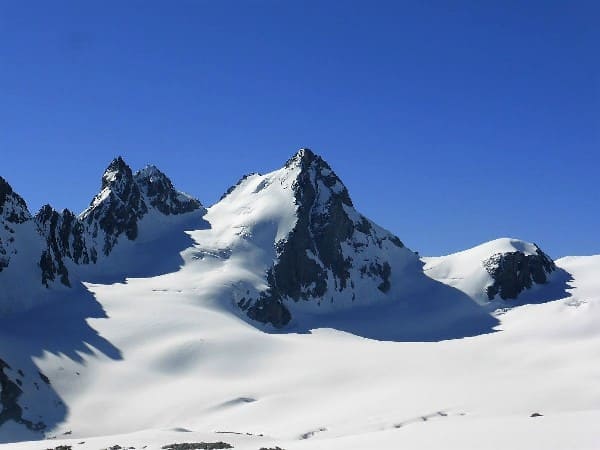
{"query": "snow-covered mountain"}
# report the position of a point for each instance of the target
(280, 317)
(53, 244)
(320, 252)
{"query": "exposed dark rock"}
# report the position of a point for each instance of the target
(198, 446)
(125, 198)
(65, 238)
(117, 208)
(13, 211)
(52, 268)
(9, 396)
(46, 380)
(513, 272)
(12, 206)
(161, 193)
(383, 271)
(65, 234)
(269, 310)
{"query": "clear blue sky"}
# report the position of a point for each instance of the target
(451, 123)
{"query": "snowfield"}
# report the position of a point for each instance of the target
(179, 361)
(164, 356)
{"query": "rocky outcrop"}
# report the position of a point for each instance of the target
(329, 243)
(160, 193)
(66, 238)
(513, 272)
(13, 208)
(13, 211)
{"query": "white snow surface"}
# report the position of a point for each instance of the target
(187, 364)
(164, 356)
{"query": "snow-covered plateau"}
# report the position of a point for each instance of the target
(281, 318)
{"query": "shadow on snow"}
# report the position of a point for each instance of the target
(29, 404)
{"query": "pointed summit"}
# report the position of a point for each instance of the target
(12, 206)
(117, 173)
(329, 247)
(126, 197)
(303, 158)
(118, 206)
(161, 194)
(317, 177)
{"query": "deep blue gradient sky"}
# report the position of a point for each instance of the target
(451, 123)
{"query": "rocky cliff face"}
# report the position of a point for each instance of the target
(514, 272)
(159, 193)
(115, 211)
(66, 238)
(13, 208)
(330, 249)
(13, 211)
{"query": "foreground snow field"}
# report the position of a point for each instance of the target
(179, 362)
(149, 346)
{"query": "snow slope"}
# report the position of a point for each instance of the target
(183, 362)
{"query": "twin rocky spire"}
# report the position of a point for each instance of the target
(114, 214)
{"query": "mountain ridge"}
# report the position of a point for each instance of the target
(323, 248)
(67, 240)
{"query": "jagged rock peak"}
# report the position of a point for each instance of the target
(303, 157)
(116, 170)
(126, 197)
(317, 173)
(118, 206)
(12, 206)
(161, 193)
(118, 185)
(330, 248)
